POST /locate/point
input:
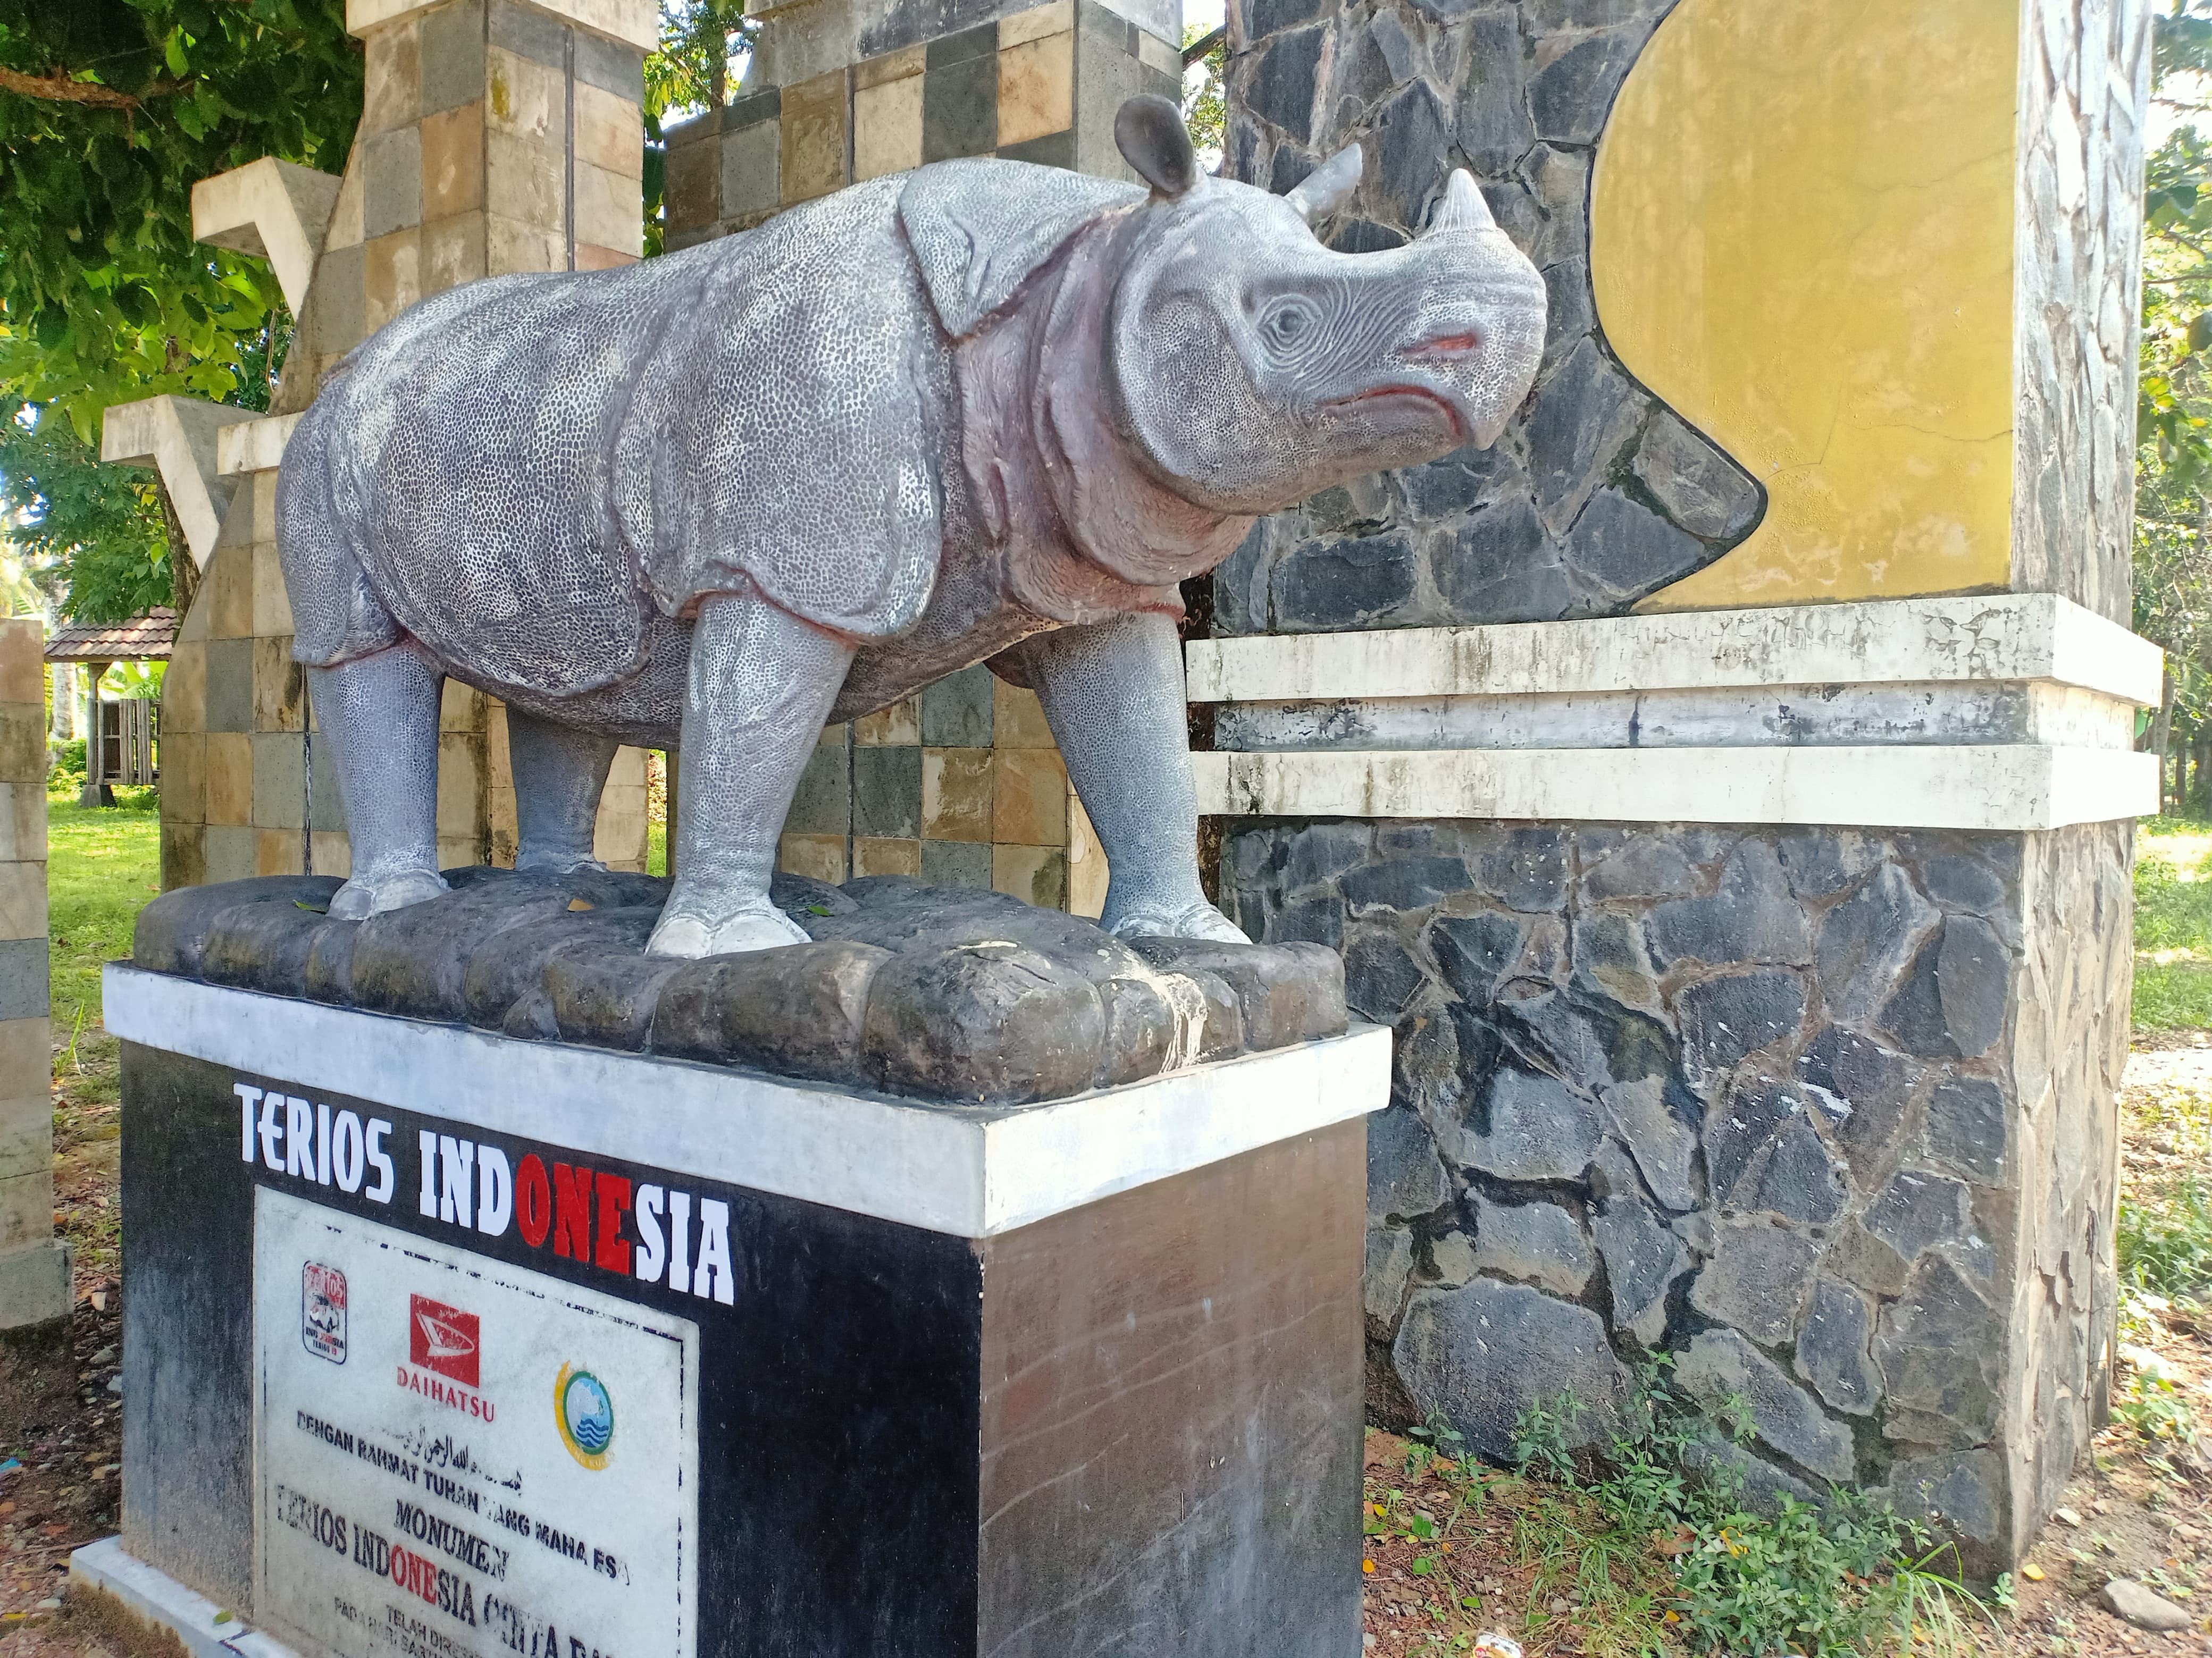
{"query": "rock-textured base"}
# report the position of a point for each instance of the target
(906, 988)
(1828, 1115)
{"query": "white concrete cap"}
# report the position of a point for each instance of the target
(633, 22)
(274, 209)
(969, 1171)
(178, 437)
(254, 445)
(2004, 636)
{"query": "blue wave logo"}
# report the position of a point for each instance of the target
(586, 1413)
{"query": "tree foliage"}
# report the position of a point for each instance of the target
(2173, 473)
(110, 110)
(1205, 98)
(703, 47)
(89, 536)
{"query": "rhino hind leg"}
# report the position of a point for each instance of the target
(1113, 692)
(560, 773)
(380, 713)
(760, 689)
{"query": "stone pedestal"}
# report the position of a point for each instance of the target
(525, 1337)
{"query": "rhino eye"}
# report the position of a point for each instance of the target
(1287, 322)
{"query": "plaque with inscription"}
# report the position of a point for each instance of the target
(462, 1457)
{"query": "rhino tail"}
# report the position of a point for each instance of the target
(336, 614)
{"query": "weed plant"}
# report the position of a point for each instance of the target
(1842, 1577)
(2165, 1243)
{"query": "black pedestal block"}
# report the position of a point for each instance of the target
(1129, 1427)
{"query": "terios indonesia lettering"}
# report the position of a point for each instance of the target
(290, 1138)
(582, 1212)
(589, 1215)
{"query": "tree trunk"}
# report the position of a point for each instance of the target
(184, 568)
(2161, 734)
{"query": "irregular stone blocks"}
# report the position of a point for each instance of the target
(1832, 1109)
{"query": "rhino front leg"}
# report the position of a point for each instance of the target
(380, 713)
(761, 683)
(1114, 695)
(559, 775)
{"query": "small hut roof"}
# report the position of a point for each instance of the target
(143, 638)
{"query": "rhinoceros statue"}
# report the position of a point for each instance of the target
(983, 410)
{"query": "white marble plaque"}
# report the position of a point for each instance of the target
(459, 1458)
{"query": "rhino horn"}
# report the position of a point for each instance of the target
(1328, 187)
(1463, 207)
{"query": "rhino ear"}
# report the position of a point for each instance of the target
(1149, 131)
(1328, 187)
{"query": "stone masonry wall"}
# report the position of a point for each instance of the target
(1598, 494)
(2084, 76)
(1826, 1114)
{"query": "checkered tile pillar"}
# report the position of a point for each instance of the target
(962, 785)
(495, 137)
(34, 1264)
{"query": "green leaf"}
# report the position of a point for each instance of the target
(173, 51)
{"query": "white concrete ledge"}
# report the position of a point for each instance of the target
(165, 1607)
(178, 437)
(633, 22)
(2008, 636)
(275, 209)
(2020, 788)
(968, 1171)
(253, 446)
(1987, 712)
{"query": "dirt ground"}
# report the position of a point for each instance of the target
(59, 1421)
(2137, 1507)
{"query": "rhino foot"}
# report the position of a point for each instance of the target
(365, 894)
(1197, 920)
(687, 937)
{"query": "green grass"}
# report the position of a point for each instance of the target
(103, 865)
(2173, 924)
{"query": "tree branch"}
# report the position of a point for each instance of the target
(58, 88)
